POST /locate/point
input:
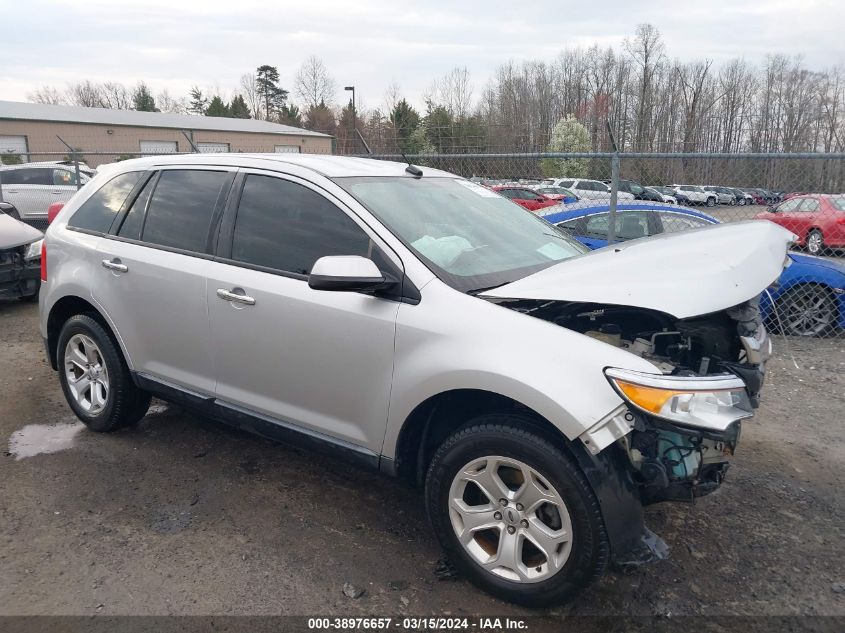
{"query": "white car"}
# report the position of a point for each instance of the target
(421, 325)
(590, 189)
(667, 198)
(32, 187)
(723, 194)
(697, 194)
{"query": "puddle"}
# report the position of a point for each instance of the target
(39, 439)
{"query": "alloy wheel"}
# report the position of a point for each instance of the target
(86, 373)
(510, 519)
(808, 312)
(815, 242)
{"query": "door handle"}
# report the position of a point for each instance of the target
(114, 264)
(230, 295)
(55, 193)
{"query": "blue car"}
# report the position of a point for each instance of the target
(809, 295)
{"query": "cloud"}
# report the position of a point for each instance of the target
(371, 43)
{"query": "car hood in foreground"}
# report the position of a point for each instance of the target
(14, 233)
(682, 274)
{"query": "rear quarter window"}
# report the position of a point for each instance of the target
(98, 212)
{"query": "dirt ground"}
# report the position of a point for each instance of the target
(183, 516)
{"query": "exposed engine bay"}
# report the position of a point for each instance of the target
(670, 461)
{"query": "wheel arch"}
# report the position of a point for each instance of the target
(440, 415)
(63, 309)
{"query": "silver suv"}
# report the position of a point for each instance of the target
(32, 187)
(420, 324)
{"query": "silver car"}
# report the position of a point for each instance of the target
(32, 187)
(420, 324)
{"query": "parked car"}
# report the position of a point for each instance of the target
(756, 197)
(669, 194)
(560, 194)
(525, 197)
(742, 198)
(651, 194)
(590, 189)
(723, 195)
(818, 220)
(31, 187)
(763, 196)
(20, 257)
(424, 326)
(696, 194)
(809, 296)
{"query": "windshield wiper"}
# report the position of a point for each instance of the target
(476, 291)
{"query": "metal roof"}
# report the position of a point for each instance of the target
(18, 110)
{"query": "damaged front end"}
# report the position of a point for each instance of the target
(678, 428)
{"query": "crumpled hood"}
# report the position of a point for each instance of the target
(682, 274)
(14, 233)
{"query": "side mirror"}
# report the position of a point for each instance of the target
(345, 273)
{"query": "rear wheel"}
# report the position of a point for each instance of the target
(95, 378)
(711, 202)
(815, 242)
(807, 311)
(514, 513)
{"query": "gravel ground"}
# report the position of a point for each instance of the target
(182, 516)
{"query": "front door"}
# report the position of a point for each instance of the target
(312, 358)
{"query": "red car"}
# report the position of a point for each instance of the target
(817, 219)
(525, 197)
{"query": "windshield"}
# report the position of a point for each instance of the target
(470, 237)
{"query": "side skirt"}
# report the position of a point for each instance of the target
(257, 423)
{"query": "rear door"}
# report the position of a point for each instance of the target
(317, 360)
(152, 282)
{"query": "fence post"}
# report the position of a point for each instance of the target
(76, 169)
(614, 187)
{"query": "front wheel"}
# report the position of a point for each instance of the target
(711, 202)
(95, 378)
(808, 311)
(514, 513)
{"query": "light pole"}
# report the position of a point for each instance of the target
(354, 128)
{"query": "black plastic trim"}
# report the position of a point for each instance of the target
(254, 422)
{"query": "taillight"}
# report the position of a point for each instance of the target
(53, 211)
(43, 261)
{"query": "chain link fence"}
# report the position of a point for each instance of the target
(599, 198)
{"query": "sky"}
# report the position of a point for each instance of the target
(175, 44)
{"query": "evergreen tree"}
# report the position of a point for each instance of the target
(198, 102)
(290, 115)
(238, 109)
(217, 107)
(272, 96)
(142, 99)
(405, 120)
(320, 118)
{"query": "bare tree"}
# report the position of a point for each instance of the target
(85, 93)
(115, 95)
(168, 103)
(250, 92)
(313, 84)
(47, 94)
(647, 50)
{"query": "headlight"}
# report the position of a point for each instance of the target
(709, 402)
(33, 251)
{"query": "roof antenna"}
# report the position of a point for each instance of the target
(415, 171)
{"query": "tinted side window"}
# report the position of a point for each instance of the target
(566, 183)
(34, 176)
(285, 226)
(134, 220)
(98, 212)
(789, 205)
(10, 176)
(180, 210)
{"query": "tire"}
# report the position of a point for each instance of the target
(807, 310)
(741, 202)
(711, 202)
(108, 400)
(533, 579)
(815, 242)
